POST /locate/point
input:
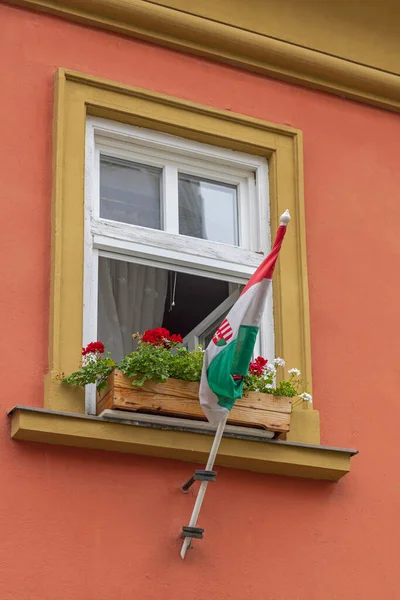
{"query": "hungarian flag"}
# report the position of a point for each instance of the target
(228, 355)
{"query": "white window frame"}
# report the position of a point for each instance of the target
(166, 247)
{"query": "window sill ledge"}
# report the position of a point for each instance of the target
(188, 444)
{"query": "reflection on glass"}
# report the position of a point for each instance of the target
(208, 209)
(130, 192)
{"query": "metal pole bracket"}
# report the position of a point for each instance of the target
(192, 532)
(199, 475)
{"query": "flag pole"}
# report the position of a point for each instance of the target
(208, 398)
(203, 485)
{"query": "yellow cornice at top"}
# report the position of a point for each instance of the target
(348, 48)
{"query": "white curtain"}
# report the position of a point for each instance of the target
(131, 300)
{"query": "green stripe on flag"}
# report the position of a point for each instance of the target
(234, 359)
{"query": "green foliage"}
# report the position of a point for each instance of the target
(147, 362)
(257, 383)
(187, 365)
(94, 371)
(286, 388)
(158, 363)
(266, 382)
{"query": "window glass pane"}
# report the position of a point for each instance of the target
(190, 299)
(131, 299)
(130, 192)
(208, 209)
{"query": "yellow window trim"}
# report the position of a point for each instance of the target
(78, 95)
(280, 458)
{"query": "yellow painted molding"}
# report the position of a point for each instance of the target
(337, 28)
(231, 44)
(78, 95)
(279, 458)
(304, 426)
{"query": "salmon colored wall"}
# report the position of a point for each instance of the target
(87, 525)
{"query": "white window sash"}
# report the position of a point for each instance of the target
(135, 240)
(167, 248)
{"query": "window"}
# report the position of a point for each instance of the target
(79, 96)
(173, 230)
(81, 236)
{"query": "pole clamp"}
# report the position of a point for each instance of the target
(199, 475)
(192, 532)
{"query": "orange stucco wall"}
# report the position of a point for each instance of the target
(87, 525)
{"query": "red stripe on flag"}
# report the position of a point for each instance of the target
(267, 267)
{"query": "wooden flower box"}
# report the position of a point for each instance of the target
(181, 399)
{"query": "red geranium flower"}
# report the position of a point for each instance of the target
(176, 338)
(254, 369)
(257, 367)
(157, 336)
(93, 347)
(161, 337)
(261, 361)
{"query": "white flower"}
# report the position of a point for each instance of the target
(269, 386)
(89, 358)
(306, 397)
(279, 362)
(270, 369)
(295, 372)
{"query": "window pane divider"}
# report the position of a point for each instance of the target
(170, 206)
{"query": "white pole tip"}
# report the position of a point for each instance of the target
(285, 218)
